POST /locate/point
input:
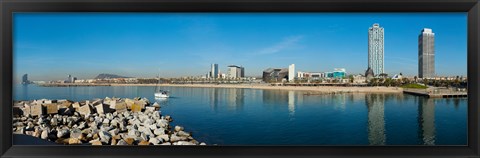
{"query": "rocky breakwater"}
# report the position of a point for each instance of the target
(109, 121)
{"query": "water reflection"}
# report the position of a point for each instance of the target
(213, 96)
(279, 98)
(235, 98)
(376, 118)
(275, 97)
(426, 118)
(232, 98)
(291, 103)
(25, 91)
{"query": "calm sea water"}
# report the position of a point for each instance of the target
(227, 116)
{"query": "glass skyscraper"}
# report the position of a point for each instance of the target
(375, 49)
(426, 54)
(214, 71)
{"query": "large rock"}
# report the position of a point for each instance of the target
(44, 134)
(76, 105)
(129, 103)
(155, 141)
(136, 108)
(84, 110)
(129, 141)
(76, 133)
(141, 103)
(72, 141)
(52, 108)
(122, 142)
(37, 110)
(114, 123)
(178, 128)
(183, 134)
(101, 108)
(183, 143)
(111, 103)
(133, 133)
(104, 136)
(96, 142)
(144, 142)
(63, 133)
(174, 138)
(159, 131)
(121, 107)
(26, 110)
(166, 143)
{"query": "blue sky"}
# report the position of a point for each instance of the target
(49, 46)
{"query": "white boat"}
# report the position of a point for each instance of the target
(161, 94)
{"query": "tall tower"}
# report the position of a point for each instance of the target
(426, 54)
(214, 71)
(376, 49)
(291, 73)
(25, 79)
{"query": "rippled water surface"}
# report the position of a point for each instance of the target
(227, 116)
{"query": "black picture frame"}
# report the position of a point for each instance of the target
(10, 6)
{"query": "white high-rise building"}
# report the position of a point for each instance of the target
(376, 49)
(235, 71)
(291, 73)
(426, 54)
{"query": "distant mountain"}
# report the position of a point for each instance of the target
(104, 76)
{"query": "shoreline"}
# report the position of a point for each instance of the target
(320, 89)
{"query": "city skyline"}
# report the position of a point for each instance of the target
(186, 44)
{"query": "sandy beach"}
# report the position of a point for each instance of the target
(320, 89)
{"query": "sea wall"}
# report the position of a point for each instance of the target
(109, 121)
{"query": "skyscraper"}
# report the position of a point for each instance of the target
(291, 73)
(214, 71)
(426, 54)
(376, 49)
(25, 79)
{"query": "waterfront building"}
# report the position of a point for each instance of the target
(359, 79)
(426, 54)
(376, 49)
(222, 75)
(275, 74)
(25, 79)
(242, 73)
(339, 73)
(303, 75)
(291, 73)
(214, 71)
(70, 79)
(317, 75)
(235, 71)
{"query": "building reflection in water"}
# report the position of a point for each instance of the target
(275, 98)
(376, 118)
(231, 98)
(339, 101)
(235, 98)
(213, 96)
(25, 91)
(291, 103)
(426, 121)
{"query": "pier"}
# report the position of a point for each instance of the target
(436, 93)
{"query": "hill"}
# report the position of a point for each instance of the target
(104, 76)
